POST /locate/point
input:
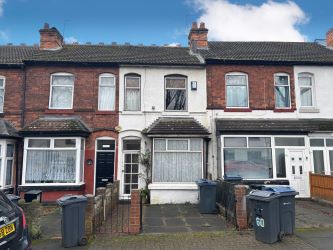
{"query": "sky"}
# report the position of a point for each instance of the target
(165, 21)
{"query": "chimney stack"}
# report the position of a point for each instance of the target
(329, 38)
(50, 38)
(197, 38)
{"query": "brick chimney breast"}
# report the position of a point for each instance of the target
(197, 38)
(50, 38)
(329, 38)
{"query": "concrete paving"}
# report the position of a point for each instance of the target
(310, 214)
(230, 240)
(179, 218)
(320, 239)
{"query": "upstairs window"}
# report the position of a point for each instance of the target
(62, 86)
(132, 93)
(282, 90)
(2, 93)
(305, 82)
(175, 93)
(237, 90)
(107, 92)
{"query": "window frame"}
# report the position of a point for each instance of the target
(78, 156)
(3, 165)
(106, 75)
(173, 151)
(133, 75)
(247, 89)
(289, 92)
(328, 169)
(51, 89)
(312, 87)
(4, 89)
(186, 92)
(273, 147)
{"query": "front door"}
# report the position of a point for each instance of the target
(298, 172)
(104, 162)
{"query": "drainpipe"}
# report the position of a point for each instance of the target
(206, 163)
(24, 87)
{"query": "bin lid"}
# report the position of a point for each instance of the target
(281, 189)
(232, 178)
(70, 199)
(262, 195)
(13, 197)
(204, 182)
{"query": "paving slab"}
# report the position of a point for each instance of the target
(318, 238)
(311, 214)
(179, 218)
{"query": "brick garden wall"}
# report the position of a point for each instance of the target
(260, 80)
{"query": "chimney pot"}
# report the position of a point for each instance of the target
(202, 25)
(194, 25)
(46, 26)
(329, 38)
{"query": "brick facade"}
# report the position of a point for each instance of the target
(260, 82)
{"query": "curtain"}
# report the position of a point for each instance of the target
(237, 96)
(9, 172)
(106, 97)
(50, 166)
(132, 99)
(1, 100)
(175, 99)
(177, 145)
(306, 96)
(177, 166)
(61, 97)
(282, 96)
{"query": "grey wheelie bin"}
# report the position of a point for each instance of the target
(207, 196)
(265, 215)
(286, 207)
(73, 208)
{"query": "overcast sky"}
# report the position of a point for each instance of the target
(165, 22)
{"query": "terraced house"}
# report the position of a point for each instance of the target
(75, 117)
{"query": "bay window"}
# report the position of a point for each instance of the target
(175, 93)
(282, 90)
(305, 81)
(53, 160)
(2, 93)
(106, 92)
(132, 92)
(237, 90)
(177, 160)
(61, 91)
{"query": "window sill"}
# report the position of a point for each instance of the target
(51, 187)
(106, 112)
(290, 110)
(173, 186)
(309, 110)
(127, 112)
(237, 110)
(59, 111)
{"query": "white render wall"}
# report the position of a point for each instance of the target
(152, 107)
(323, 90)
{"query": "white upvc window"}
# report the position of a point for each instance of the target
(177, 160)
(306, 86)
(7, 148)
(132, 93)
(237, 92)
(2, 93)
(61, 91)
(257, 156)
(106, 92)
(322, 155)
(53, 161)
(282, 90)
(175, 93)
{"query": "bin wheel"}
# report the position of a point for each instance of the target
(83, 241)
(281, 235)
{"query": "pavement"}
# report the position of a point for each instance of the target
(182, 227)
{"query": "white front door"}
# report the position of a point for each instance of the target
(298, 172)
